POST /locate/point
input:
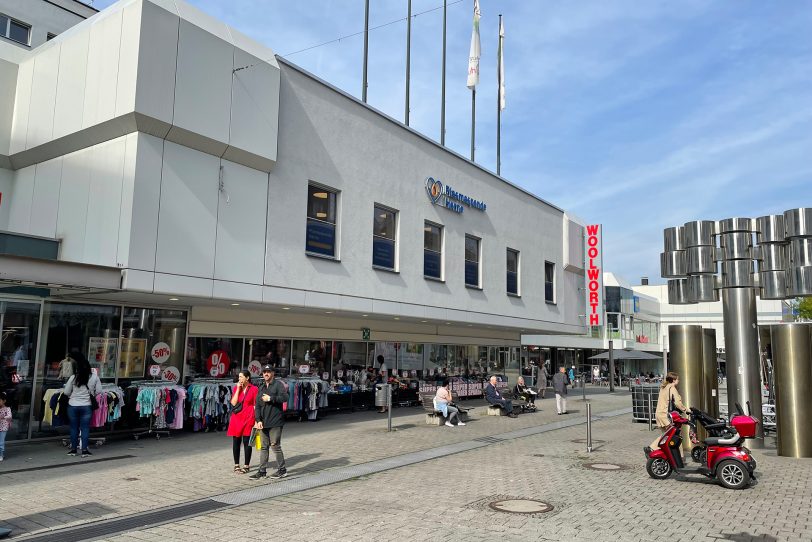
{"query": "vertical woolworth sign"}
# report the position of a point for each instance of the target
(593, 260)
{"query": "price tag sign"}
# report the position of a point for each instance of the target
(218, 363)
(154, 370)
(304, 369)
(171, 374)
(325, 376)
(255, 368)
(160, 353)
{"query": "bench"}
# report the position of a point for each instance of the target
(494, 410)
(435, 417)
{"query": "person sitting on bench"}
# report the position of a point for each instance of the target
(493, 397)
(442, 403)
(525, 393)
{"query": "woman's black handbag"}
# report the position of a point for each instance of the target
(236, 409)
(94, 403)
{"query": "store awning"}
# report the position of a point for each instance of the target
(40, 273)
(626, 354)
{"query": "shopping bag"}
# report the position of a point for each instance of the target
(255, 438)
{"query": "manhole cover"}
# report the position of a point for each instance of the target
(521, 506)
(604, 466)
(538, 455)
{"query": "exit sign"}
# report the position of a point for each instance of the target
(365, 333)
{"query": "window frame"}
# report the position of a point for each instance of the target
(441, 253)
(6, 32)
(518, 272)
(335, 223)
(478, 240)
(552, 301)
(395, 256)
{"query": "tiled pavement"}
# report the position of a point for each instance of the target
(440, 498)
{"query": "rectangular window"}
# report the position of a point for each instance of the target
(512, 271)
(472, 261)
(321, 221)
(384, 225)
(432, 251)
(15, 30)
(549, 282)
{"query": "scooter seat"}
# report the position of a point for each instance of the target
(712, 441)
(722, 441)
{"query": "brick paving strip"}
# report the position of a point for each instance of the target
(294, 484)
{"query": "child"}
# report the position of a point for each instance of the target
(5, 422)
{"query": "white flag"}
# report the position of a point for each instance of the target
(501, 65)
(473, 55)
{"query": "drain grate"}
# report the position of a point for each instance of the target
(69, 464)
(488, 440)
(135, 522)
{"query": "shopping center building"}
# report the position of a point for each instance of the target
(177, 203)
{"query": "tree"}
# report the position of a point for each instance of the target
(805, 308)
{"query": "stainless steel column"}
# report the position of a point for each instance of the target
(742, 355)
(792, 363)
(710, 375)
(685, 343)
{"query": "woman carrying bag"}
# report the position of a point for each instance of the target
(668, 401)
(82, 389)
(243, 399)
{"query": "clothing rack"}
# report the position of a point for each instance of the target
(208, 402)
(152, 416)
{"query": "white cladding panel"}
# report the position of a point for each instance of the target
(22, 196)
(187, 223)
(73, 198)
(19, 125)
(145, 195)
(8, 86)
(203, 84)
(254, 115)
(158, 51)
(70, 88)
(104, 202)
(241, 224)
(45, 203)
(102, 69)
(43, 95)
(128, 60)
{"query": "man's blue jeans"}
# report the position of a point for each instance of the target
(79, 418)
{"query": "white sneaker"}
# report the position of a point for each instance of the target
(460, 423)
(1, 458)
(449, 424)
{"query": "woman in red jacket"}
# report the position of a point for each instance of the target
(243, 398)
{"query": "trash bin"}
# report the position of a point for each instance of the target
(383, 393)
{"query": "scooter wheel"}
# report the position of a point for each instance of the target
(732, 474)
(696, 453)
(658, 468)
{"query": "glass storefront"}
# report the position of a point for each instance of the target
(19, 328)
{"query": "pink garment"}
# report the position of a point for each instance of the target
(99, 417)
(177, 423)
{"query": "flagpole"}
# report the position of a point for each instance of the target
(366, 51)
(442, 99)
(473, 122)
(408, 58)
(499, 104)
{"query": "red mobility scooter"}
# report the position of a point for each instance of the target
(724, 457)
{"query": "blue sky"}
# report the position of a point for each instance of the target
(638, 115)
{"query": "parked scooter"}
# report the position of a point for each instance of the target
(726, 460)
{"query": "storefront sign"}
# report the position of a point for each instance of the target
(449, 198)
(304, 369)
(218, 363)
(160, 353)
(593, 248)
(154, 370)
(171, 374)
(102, 353)
(255, 367)
(133, 354)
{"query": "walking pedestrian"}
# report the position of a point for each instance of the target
(5, 423)
(270, 418)
(81, 389)
(668, 401)
(560, 388)
(243, 399)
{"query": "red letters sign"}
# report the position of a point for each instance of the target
(593, 256)
(218, 363)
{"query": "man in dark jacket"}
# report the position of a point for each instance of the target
(270, 417)
(560, 387)
(495, 398)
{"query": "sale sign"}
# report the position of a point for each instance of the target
(218, 363)
(154, 370)
(255, 368)
(171, 374)
(593, 256)
(160, 352)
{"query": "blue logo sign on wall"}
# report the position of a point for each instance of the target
(450, 198)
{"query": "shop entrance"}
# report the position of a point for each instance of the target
(19, 327)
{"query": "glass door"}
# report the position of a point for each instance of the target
(19, 328)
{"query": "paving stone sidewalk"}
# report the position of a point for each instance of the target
(194, 466)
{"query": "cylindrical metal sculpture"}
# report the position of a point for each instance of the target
(741, 345)
(685, 358)
(710, 373)
(792, 365)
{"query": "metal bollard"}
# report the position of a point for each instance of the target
(583, 386)
(650, 413)
(389, 410)
(589, 427)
